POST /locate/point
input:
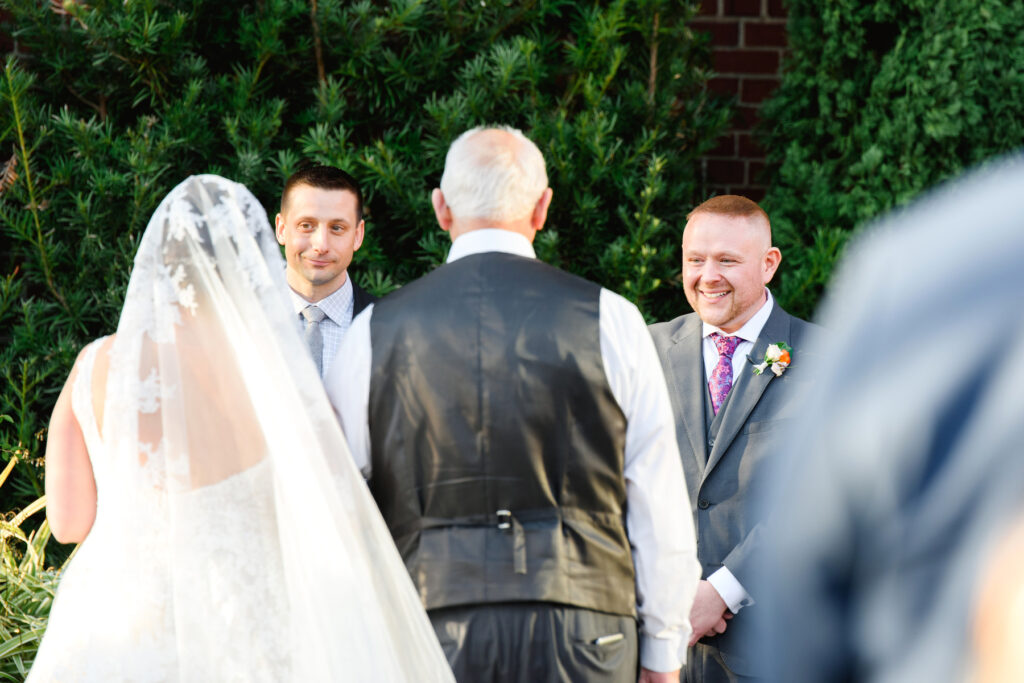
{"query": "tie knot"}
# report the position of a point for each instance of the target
(313, 314)
(726, 345)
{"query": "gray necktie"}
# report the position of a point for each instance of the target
(314, 337)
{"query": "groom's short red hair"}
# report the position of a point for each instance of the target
(730, 205)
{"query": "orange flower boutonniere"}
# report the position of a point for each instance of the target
(776, 358)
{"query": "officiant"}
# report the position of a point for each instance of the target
(516, 430)
(320, 227)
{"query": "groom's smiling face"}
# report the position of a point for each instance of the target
(727, 261)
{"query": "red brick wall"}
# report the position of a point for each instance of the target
(6, 43)
(748, 38)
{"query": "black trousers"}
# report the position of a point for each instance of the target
(536, 642)
(704, 664)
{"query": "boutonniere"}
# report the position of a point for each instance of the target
(777, 358)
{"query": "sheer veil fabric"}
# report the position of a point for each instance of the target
(234, 538)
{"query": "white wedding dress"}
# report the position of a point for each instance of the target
(234, 540)
(113, 617)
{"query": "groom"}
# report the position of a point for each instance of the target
(727, 413)
(515, 426)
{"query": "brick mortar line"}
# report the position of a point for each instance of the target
(732, 19)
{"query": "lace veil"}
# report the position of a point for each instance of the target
(228, 475)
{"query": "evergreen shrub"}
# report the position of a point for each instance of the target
(880, 100)
(27, 586)
(107, 104)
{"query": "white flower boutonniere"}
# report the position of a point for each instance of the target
(776, 358)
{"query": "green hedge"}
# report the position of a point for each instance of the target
(108, 104)
(880, 100)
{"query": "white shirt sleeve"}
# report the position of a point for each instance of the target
(348, 386)
(730, 589)
(658, 517)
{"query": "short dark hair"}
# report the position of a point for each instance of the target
(325, 178)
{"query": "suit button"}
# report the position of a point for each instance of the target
(703, 504)
(711, 442)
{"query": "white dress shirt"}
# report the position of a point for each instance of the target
(731, 590)
(658, 518)
(337, 307)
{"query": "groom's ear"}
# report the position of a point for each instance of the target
(772, 259)
(279, 229)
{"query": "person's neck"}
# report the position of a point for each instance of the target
(461, 226)
(314, 293)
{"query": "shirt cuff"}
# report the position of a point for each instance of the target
(731, 590)
(662, 654)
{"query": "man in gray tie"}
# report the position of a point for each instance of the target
(514, 424)
(732, 367)
(321, 226)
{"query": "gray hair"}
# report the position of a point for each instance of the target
(492, 179)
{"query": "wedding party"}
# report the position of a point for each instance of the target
(502, 344)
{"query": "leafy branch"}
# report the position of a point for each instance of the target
(16, 88)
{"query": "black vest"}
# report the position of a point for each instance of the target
(497, 445)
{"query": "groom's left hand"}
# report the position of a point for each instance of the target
(709, 613)
(648, 676)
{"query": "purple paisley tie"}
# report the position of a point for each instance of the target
(721, 376)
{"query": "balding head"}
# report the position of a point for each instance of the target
(494, 174)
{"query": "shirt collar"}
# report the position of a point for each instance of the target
(490, 239)
(751, 329)
(334, 305)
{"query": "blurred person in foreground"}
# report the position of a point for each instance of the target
(734, 367)
(195, 457)
(906, 467)
(516, 431)
(999, 617)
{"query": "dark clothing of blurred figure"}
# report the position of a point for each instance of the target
(907, 466)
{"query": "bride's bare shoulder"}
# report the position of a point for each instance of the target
(103, 344)
(101, 364)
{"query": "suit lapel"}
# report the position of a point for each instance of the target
(688, 377)
(360, 299)
(748, 388)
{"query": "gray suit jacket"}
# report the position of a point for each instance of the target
(721, 473)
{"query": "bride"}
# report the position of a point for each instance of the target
(225, 533)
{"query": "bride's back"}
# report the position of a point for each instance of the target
(218, 468)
